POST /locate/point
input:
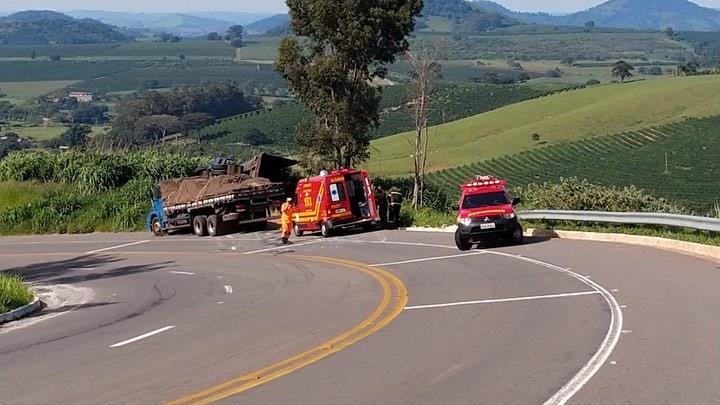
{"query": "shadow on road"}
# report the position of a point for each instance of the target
(80, 269)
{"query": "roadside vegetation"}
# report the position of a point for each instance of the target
(13, 293)
(79, 192)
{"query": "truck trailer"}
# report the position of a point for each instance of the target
(221, 198)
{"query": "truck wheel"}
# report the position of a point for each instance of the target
(214, 225)
(462, 243)
(200, 225)
(157, 227)
(325, 230)
(297, 231)
(517, 235)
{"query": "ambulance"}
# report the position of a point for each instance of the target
(335, 200)
(486, 212)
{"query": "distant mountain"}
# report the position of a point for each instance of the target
(463, 16)
(232, 16)
(49, 27)
(681, 15)
(276, 24)
(173, 23)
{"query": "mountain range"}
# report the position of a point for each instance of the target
(49, 27)
(681, 15)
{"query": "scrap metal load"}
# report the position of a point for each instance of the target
(193, 191)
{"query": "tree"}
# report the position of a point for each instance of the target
(33, 55)
(235, 34)
(424, 71)
(622, 69)
(155, 128)
(670, 32)
(345, 45)
(214, 36)
(76, 136)
(55, 57)
(589, 25)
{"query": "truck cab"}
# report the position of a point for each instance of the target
(486, 212)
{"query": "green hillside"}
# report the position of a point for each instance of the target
(570, 116)
(691, 175)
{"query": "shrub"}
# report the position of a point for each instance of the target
(574, 194)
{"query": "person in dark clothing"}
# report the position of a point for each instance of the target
(381, 201)
(396, 199)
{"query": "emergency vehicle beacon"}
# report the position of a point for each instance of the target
(335, 200)
(486, 212)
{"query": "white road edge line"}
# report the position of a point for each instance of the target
(426, 259)
(117, 247)
(606, 347)
(186, 273)
(143, 336)
(282, 247)
(492, 301)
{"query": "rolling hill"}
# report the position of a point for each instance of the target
(637, 14)
(559, 118)
(49, 27)
(174, 23)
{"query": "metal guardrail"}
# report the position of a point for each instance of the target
(632, 218)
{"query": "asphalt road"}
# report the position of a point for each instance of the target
(240, 319)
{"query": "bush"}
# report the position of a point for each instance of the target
(574, 194)
(592, 82)
(13, 294)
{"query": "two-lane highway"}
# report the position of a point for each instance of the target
(244, 320)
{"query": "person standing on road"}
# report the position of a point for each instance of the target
(381, 201)
(396, 199)
(287, 211)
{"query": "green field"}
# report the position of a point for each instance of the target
(20, 92)
(37, 133)
(692, 174)
(563, 117)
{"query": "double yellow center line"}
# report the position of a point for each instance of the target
(394, 300)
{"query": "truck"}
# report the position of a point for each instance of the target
(486, 212)
(222, 197)
(335, 200)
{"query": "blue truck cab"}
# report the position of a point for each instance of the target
(156, 221)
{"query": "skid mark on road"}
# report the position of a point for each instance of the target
(394, 300)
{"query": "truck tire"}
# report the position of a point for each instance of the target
(297, 231)
(200, 225)
(462, 243)
(214, 225)
(325, 230)
(156, 227)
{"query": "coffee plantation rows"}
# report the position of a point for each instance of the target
(451, 102)
(690, 177)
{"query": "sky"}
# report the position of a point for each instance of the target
(265, 6)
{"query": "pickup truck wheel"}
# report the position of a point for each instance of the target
(325, 230)
(297, 231)
(214, 225)
(462, 243)
(517, 235)
(200, 225)
(156, 227)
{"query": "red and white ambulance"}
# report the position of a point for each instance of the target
(335, 200)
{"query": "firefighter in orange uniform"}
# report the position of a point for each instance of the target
(287, 210)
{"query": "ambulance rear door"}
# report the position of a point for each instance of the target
(339, 203)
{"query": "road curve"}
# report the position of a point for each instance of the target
(182, 318)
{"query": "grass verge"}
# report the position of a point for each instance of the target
(13, 293)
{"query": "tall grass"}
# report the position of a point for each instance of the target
(13, 293)
(86, 191)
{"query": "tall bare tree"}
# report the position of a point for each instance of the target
(425, 70)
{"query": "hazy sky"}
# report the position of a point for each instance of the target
(266, 5)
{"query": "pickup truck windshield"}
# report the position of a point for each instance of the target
(484, 200)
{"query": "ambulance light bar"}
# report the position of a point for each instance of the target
(484, 181)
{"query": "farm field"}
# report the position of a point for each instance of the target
(563, 117)
(691, 177)
(20, 92)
